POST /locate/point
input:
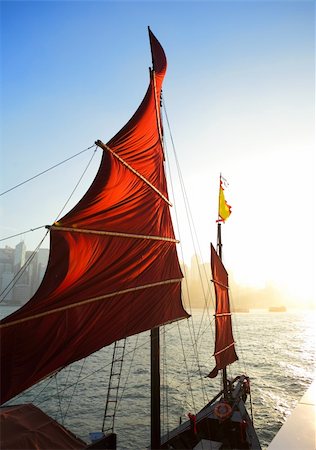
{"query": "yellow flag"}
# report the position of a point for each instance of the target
(224, 209)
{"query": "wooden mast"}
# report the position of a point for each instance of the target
(155, 388)
(155, 422)
(219, 252)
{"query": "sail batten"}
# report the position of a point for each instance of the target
(106, 147)
(113, 269)
(220, 284)
(112, 233)
(224, 349)
(90, 300)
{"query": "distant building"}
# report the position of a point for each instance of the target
(42, 259)
(19, 256)
(21, 272)
(6, 279)
(6, 272)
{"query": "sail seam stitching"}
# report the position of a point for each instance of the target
(91, 300)
(104, 146)
(114, 233)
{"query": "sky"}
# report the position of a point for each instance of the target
(239, 94)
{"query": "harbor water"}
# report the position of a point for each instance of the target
(276, 350)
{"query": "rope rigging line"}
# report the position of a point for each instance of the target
(195, 243)
(8, 288)
(38, 394)
(131, 352)
(121, 389)
(165, 384)
(203, 332)
(239, 335)
(45, 171)
(129, 370)
(186, 367)
(81, 379)
(187, 206)
(75, 386)
(184, 270)
(21, 271)
(59, 400)
(23, 232)
(60, 395)
(77, 184)
(100, 368)
(192, 227)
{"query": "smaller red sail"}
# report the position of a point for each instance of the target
(224, 352)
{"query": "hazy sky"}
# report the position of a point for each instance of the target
(239, 93)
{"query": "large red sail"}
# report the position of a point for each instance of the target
(113, 269)
(224, 342)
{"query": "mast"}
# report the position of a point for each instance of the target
(219, 252)
(155, 388)
(155, 422)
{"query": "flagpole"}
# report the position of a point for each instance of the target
(219, 198)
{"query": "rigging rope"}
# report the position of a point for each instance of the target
(75, 386)
(239, 335)
(38, 394)
(131, 352)
(85, 377)
(8, 288)
(196, 247)
(129, 370)
(21, 271)
(23, 232)
(197, 336)
(79, 181)
(186, 367)
(45, 171)
(59, 400)
(188, 210)
(165, 384)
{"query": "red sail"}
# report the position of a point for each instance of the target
(113, 269)
(224, 342)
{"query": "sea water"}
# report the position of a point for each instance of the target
(276, 350)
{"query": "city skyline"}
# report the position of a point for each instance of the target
(22, 270)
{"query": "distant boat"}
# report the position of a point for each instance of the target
(113, 272)
(277, 309)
